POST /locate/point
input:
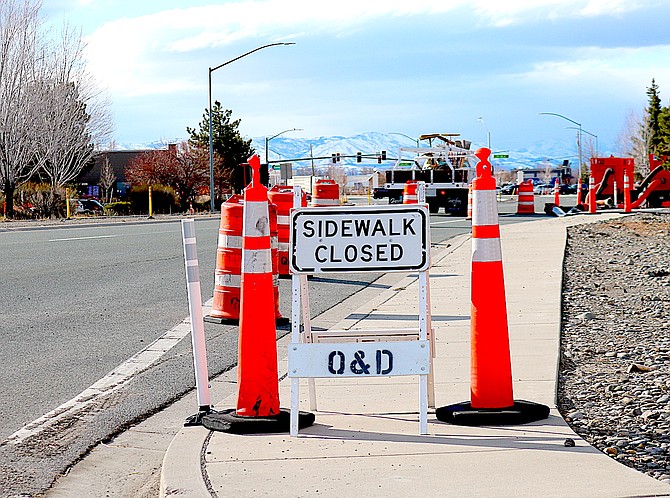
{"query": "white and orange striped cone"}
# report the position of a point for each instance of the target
(258, 408)
(626, 193)
(591, 196)
(557, 193)
(491, 399)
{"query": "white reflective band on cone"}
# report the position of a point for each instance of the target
(256, 219)
(228, 280)
(283, 219)
(326, 202)
(486, 250)
(274, 242)
(484, 208)
(231, 241)
(283, 246)
(256, 261)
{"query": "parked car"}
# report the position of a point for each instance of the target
(86, 206)
(508, 189)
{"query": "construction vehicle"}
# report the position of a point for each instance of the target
(608, 173)
(446, 165)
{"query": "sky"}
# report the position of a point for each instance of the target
(393, 66)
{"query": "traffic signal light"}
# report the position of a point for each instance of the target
(383, 155)
(334, 158)
(339, 159)
(379, 159)
(359, 157)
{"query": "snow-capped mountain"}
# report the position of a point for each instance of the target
(371, 144)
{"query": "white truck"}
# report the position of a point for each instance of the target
(446, 165)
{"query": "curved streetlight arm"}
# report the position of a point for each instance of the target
(488, 133)
(209, 109)
(406, 136)
(267, 140)
(561, 116)
(212, 69)
(579, 145)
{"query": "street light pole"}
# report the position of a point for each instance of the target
(267, 140)
(579, 145)
(588, 133)
(488, 133)
(211, 140)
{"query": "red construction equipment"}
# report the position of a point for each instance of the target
(410, 194)
(526, 201)
(326, 193)
(491, 399)
(652, 192)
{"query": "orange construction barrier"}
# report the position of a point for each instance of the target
(557, 193)
(491, 399)
(468, 216)
(326, 193)
(526, 201)
(227, 276)
(282, 197)
(228, 272)
(410, 193)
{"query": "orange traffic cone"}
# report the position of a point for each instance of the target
(491, 399)
(557, 193)
(468, 215)
(257, 373)
(626, 193)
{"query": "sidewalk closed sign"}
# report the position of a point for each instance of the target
(359, 239)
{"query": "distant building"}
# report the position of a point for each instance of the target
(118, 160)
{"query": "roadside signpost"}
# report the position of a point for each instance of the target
(347, 239)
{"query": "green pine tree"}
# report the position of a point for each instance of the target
(230, 149)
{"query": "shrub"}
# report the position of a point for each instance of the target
(164, 199)
(118, 209)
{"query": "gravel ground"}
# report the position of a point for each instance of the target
(614, 382)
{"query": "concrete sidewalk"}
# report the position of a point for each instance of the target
(365, 440)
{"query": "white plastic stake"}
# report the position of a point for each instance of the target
(195, 310)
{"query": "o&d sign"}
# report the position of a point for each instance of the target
(360, 239)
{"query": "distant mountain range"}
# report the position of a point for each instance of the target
(370, 144)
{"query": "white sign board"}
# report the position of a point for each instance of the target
(360, 239)
(362, 359)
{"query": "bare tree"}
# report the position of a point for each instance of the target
(52, 114)
(68, 116)
(107, 179)
(19, 26)
(634, 141)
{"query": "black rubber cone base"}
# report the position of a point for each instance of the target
(229, 421)
(279, 322)
(522, 412)
(221, 321)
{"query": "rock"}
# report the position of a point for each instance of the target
(569, 442)
(635, 368)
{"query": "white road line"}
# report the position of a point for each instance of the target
(434, 223)
(111, 382)
(84, 238)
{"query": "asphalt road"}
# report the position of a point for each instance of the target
(79, 301)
